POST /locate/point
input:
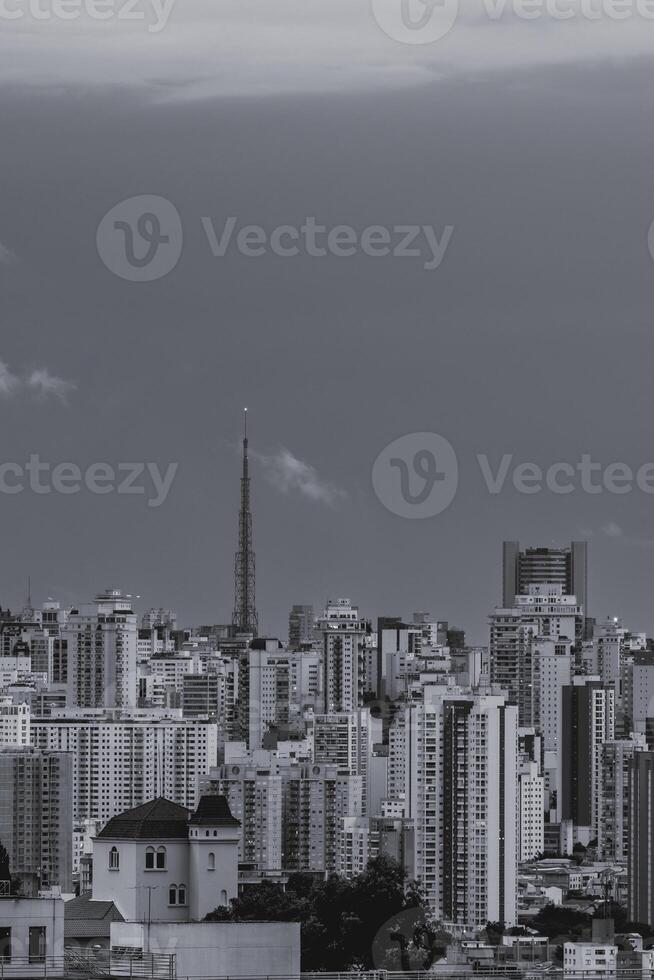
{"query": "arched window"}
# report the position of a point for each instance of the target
(211, 866)
(172, 895)
(114, 859)
(161, 859)
(223, 897)
(149, 858)
(181, 895)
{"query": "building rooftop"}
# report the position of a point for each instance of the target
(86, 919)
(214, 810)
(159, 818)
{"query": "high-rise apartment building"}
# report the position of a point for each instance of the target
(461, 792)
(290, 811)
(123, 759)
(531, 823)
(342, 634)
(641, 834)
(544, 613)
(398, 644)
(566, 567)
(301, 627)
(36, 816)
(588, 721)
(347, 740)
(101, 644)
(613, 835)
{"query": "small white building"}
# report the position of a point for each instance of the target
(600, 959)
(162, 863)
(31, 937)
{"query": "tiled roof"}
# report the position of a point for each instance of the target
(214, 811)
(157, 819)
(86, 919)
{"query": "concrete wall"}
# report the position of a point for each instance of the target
(219, 949)
(20, 914)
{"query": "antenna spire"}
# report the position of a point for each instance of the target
(245, 614)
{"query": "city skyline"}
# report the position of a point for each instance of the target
(358, 680)
(283, 476)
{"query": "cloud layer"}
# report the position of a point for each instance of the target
(288, 474)
(214, 48)
(38, 382)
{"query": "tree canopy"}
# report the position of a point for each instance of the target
(375, 920)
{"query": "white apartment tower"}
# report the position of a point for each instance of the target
(531, 826)
(461, 791)
(124, 759)
(342, 635)
(101, 642)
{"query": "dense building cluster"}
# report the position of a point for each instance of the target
(481, 771)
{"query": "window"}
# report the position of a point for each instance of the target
(114, 859)
(5, 944)
(37, 944)
(149, 858)
(161, 859)
(177, 895)
(211, 866)
(223, 897)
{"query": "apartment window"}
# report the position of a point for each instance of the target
(114, 859)
(211, 866)
(161, 859)
(149, 858)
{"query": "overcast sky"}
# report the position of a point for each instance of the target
(533, 337)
